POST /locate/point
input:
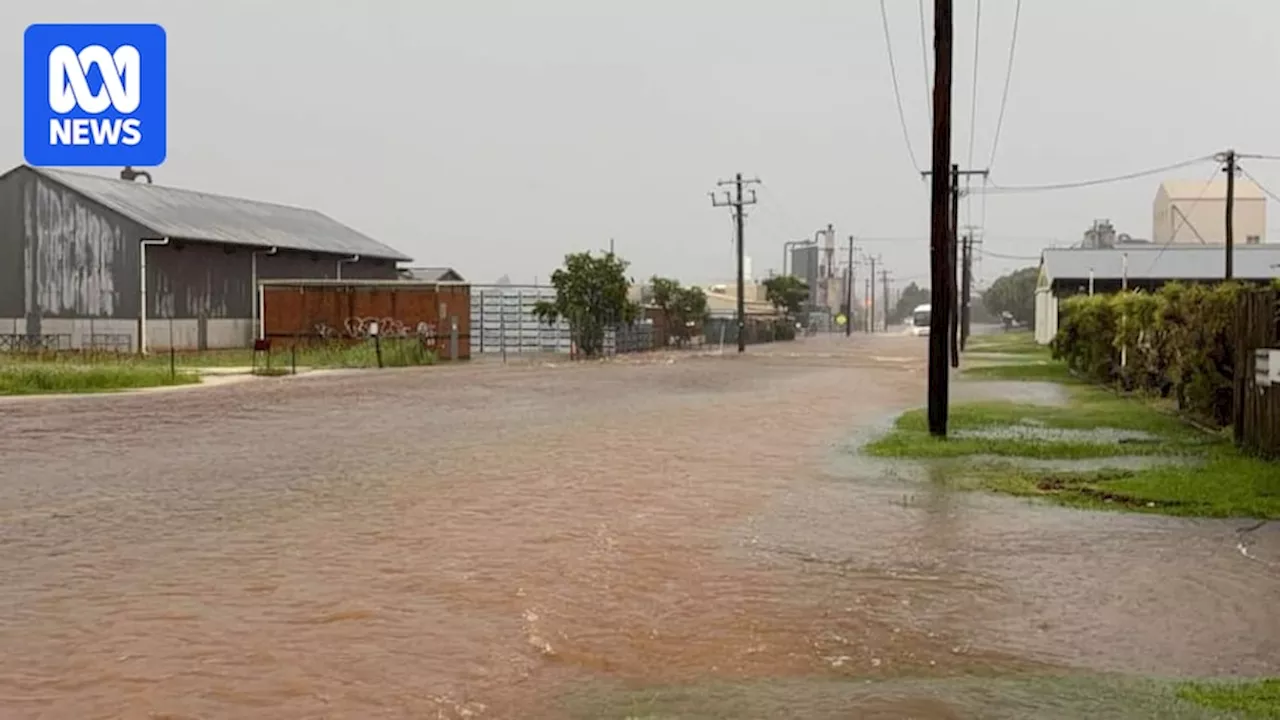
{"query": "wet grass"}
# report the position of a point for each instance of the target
(396, 352)
(1206, 475)
(1044, 371)
(1008, 698)
(1011, 429)
(36, 379)
(1257, 699)
(1009, 343)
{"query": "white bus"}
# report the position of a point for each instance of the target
(919, 321)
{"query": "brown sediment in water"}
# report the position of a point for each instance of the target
(458, 540)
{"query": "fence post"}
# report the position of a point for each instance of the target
(1243, 328)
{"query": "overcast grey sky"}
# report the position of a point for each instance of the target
(496, 135)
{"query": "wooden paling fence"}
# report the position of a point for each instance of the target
(1256, 423)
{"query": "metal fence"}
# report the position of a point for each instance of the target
(758, 330)
(503, 320)
(23, 343)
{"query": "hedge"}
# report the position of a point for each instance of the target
(1178, 341)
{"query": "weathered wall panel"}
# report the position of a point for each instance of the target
(316, 312)
(63, 256)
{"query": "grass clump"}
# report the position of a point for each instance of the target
(33, 379)
(1091, 410)
(1024, 372)
(1206, 475)
(1008, 343)
(1256, 699)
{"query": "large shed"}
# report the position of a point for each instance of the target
(1074, 271)
(93, 261)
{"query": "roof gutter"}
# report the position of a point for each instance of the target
(256, 294)
(352, 259)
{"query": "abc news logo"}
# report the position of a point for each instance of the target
(69, 90)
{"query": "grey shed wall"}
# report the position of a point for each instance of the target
(69, 267)
(63, 258)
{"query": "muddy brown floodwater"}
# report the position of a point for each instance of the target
(480, 541)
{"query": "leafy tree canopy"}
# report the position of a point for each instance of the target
(1015, 294)
(591, 294)
(682, 307)
(787, 293)
(912, 296)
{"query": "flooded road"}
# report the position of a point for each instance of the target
(542, 541)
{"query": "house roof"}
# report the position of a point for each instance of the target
(1162, 262)
(433, 274)
(205, 217)
(1212, 190)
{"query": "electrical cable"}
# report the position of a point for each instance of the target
(1255, 181)
(1008, 75)
(924, 55)
(1191, 208)
(897, 94)
(1003, 189)
(973, 110)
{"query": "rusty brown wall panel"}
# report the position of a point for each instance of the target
(314, 312)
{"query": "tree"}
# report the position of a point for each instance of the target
(683, 308)
(591, 294)
(787, 293)
(1015, 294)
(912, 296)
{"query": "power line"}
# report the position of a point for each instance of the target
(897, 94)
(1190, 209)
(924, 54)
(1002, 189)
(999, 256)
(973, 108)
(1261, 187)
(1008, 75)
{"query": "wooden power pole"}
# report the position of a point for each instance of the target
(939, 373)
(884, 283)
(848, 293)
(739, 217)
(1229, 157)
(871, 295)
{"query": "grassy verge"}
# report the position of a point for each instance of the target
(1205, 476)
(1009, 343)
(33, 379)
(395, 353)
(1044, 371)
(1257, 699)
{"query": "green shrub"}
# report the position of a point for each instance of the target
(1177, 341)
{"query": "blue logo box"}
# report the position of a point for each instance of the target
(94, 95)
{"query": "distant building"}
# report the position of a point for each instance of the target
(1076, 271)
(1192, 212)
(88, 260)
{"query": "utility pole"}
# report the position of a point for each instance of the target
(871, 295)
(1229, 157)
(884, 282)
(848, 294)
(966, 285)
(871, 299)
(939, 374)
(739, 216)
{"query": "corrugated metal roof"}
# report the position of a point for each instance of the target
(1157, 262)
(192, 215)
(1212, 190)
(432, 273)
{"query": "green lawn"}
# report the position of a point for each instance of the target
(1006, 343)
(34, 379)
(1256, 699)
(1205, 476)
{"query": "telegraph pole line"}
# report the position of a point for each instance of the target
(848, 294)
(871, 295)
(1229, 157)
(966, 287)
(939, 374)
(866, 316)
(884, 282)
(739, 216)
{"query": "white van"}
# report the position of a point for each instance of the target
(919, 320)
